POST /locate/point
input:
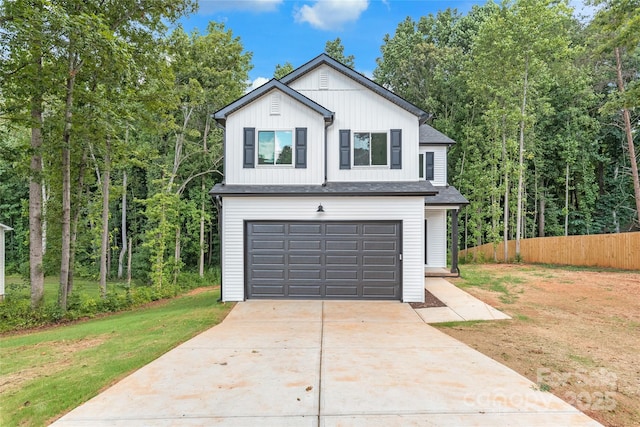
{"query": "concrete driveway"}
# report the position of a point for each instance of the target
(324, 363)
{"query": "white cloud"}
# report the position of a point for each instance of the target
(257, 83)
(208, 7)
(331, 14)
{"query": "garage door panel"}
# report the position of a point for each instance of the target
(380, 291)
(304, 290)
(342, 260)
(267, 228)
(379, 245)
(380, 229)
(267, 259)
(268, 274)
(341, 245)
(341, 275)
(307, 229)
(323, 260)
(377, 260)
(296, 245)
(304, 259)
(267, 244)
(384, 275)
(341, 291)
(309, 274)
(342, 229)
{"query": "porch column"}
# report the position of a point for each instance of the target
(454, 241)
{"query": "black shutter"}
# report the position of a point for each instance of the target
(345, 149)
(249, 157)
(396, 149)
(301, 148)
(428, 172)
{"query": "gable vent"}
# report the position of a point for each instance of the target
(324, 79)
(275, 104)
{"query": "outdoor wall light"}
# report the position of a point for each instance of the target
(320, 208)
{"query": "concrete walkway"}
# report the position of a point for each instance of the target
(460, 305)
(324, 363)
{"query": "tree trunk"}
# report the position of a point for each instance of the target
(65, 247)
(627, 128)
(74, 223)
(521, 157)
(201, 260)
(176, 256)
(541, 216)
(123, 225)
(36, 272)
(104, 246)
(129, 265)
(505, 231)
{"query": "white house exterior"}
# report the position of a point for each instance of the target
(3, 228)
(334, 188)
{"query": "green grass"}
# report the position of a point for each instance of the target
(457, 323)
(18, 287)
(46, 373)
(474, 277)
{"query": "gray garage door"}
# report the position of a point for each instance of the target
(359, 260)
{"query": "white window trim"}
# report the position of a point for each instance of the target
(276, 166)
(353, 150)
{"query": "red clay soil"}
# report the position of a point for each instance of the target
(576, 333)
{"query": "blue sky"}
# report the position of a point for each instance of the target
(295, 31)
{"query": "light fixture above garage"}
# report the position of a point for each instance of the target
(320, 208)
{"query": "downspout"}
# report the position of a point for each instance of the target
(218, 202)
(326, 153)
(327, 123)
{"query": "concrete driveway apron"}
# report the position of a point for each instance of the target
(324, 363)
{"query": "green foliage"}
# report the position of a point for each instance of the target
(85, 302)
(112, 346)
(282, 70)
(335, 49)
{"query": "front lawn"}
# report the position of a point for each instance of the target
(44, 374)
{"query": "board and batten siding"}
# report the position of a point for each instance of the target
(436, 237)
(439, 162)
(408, 210)
(258, 115)
(359, 109)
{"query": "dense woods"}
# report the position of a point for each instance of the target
(108, 150)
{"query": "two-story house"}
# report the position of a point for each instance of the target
(333, 188)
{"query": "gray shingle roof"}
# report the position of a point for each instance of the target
(413, 188)
(429, 135)
(221, 115)
(364, 81)
(447, 195)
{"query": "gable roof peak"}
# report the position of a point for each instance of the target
(221, 115)
(325, 59)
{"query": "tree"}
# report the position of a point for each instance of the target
(282, 70)
(618, 25)
(335, 49)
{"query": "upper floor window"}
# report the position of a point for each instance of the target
(370, 149)
(426, 165)
(275, 147)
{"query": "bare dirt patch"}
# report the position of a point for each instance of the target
(576, 333)
(45, 359)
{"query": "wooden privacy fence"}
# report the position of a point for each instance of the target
(597, 250)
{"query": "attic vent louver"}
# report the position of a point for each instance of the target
(275, 104)
(324, 79)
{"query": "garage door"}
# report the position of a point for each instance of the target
(359, 260)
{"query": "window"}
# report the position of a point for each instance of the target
(275, 147)
(428, 169)
(369, 149)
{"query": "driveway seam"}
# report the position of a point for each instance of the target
(320, 367)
